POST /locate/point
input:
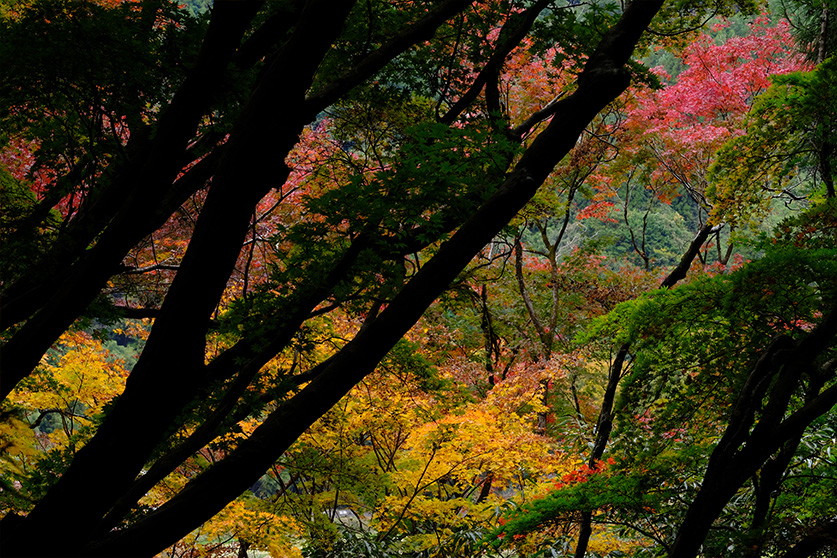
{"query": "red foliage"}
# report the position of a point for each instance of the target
(598, 210)
(681, 126)
(583, 473)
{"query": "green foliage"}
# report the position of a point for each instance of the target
(694, 336)
(805, 499)
(808, 24)
(573, 32)
(428, 449)
(667, 233)
(692, 348)
(682, 18)
(406, 360)
(429, 174)
(66, 78)
(600, 491)
(786, 148)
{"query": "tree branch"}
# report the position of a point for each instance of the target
(515, 29)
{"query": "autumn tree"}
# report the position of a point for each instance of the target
(197, 118)
(786, 148)
(682, 168)
(672, 133)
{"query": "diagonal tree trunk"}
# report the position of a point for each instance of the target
(747, 444)
(602, 82)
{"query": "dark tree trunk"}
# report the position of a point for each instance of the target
(143, 185)
(815, 540)
(604, 80)
(747, 444)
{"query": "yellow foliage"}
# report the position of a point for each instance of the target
(17, 445)
(75, 383)
(447, 468)
(54, 408)
(262, 529)
(605, 540)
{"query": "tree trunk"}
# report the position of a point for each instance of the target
(742, 451)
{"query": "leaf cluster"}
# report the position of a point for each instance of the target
(692, 350)
(692, 339)
(787, 136)
(428, 180)
(598, 492)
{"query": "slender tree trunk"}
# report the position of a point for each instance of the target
(822, 38)
(826, 149)
(604, 424)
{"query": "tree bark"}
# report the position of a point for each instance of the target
(815, 540)
(741, 451)
(174, 353)
(73, 288)
(76, 284)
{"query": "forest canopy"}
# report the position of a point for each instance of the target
(417, 278)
